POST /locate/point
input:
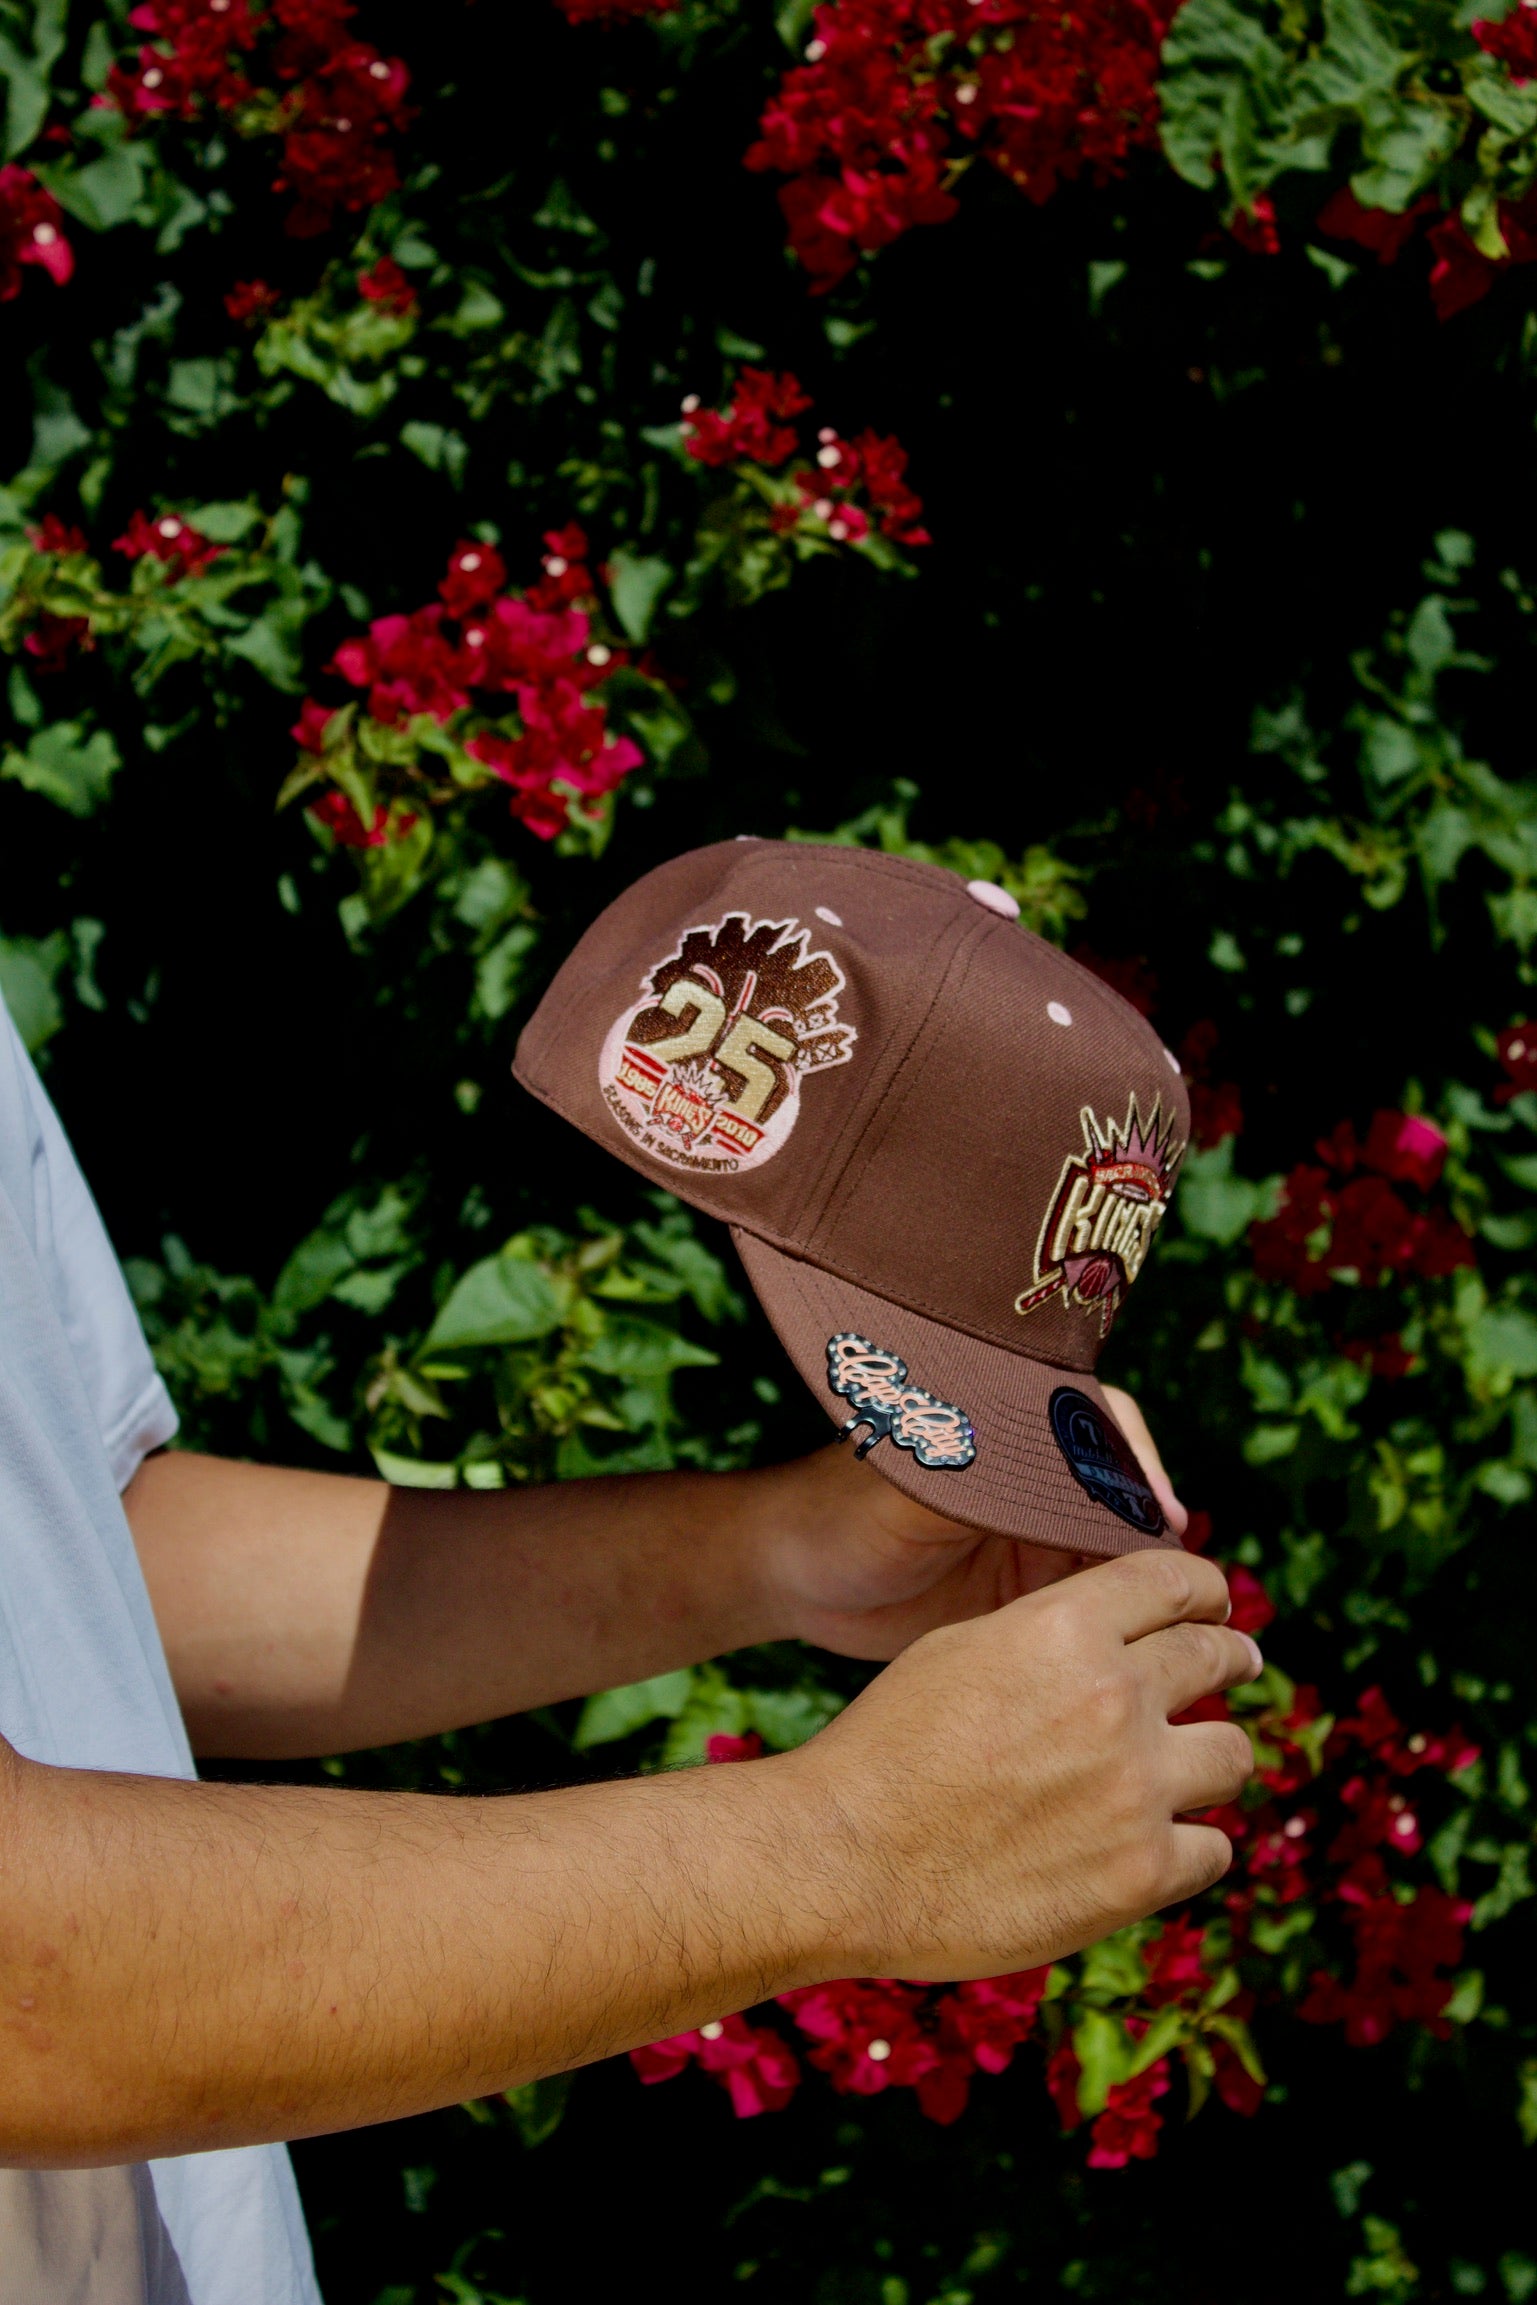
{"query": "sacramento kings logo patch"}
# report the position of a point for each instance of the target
(1101, 1462)
(706, 1070)
(875, 1381)
(1109, 1202)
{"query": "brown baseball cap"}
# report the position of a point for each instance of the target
(943, 1149)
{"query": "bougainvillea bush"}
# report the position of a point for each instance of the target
(459, 460)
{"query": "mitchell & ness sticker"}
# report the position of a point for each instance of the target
(705, 1071)
(1109, 1202)
(938, 1434)
(1101, 1462)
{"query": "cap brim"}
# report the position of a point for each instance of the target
(1020, 1482)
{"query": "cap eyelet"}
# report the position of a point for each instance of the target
(1057, 1013)
(833, 919)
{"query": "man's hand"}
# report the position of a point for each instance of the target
(864, 1570)
(1013, 1789)
(185, 1966)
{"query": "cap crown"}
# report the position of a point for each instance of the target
(847, 1055)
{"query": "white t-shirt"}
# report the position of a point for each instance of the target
(84, 1685)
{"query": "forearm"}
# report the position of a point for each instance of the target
(187, 1966)
(305, 1613)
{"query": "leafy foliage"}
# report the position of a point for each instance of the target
(1217, 660)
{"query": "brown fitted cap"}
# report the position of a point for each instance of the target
(943, 1149)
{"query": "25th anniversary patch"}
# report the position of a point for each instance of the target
(705, 1071)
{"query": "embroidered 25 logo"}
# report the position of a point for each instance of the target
(705, 1070)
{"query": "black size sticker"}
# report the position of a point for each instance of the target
(1101, 1462)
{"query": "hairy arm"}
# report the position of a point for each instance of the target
(311, 1613)
(184, 1966)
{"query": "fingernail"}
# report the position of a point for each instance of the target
(1253, 1648)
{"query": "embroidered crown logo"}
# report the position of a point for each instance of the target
(705, 1070)
(1109, 1202)
(937, 1432)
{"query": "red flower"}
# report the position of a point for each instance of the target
(1062, 2073)
(251, 301)
(752, 427)
(309, 730)
(1198, 1533)
(1343, 217)
(1380, 1818)
(31, 232)
(1216, 1111)
(721, 1747)
(1253, 1609)
(476, 574)
(52, 637)
(1403, 1951)
(988, 2017)
(1234, 2083)
(1517, 1052)
(1461, 273)
(408, 665)
(1276, 1849)
(1255, 227)
(1362, 1229)
(351, 99)
(1128, 2128)
(756, 2068)
(342, 821)
(168, 538)
(1513, 40)
(566, 577)
(1176, 1970)
(386, 284)
(862, 129)
(868, 2034)
(1406, 1147)
(1375, 1725)
(59, 536)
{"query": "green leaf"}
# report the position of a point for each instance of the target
(1502, 1342)
(29, 969)
(414, 1472)
(617, 1713)
(630, 1347)
(636, 585)
(1215, 1205)
(66, 766)
(102, 194)
(1104, 2050)
(538, 2107)
(503, 1300)
(785, 1718)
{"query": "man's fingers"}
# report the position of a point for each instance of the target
(1213, 1761)
(1134, 1425)
(1143, 1592)
(1201, 1854)
(1196, 1660)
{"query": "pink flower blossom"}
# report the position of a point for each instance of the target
(31, 232)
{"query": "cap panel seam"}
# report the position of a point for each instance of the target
(878, 1084)
(893, 1099)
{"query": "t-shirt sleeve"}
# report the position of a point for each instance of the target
(128, 1398)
